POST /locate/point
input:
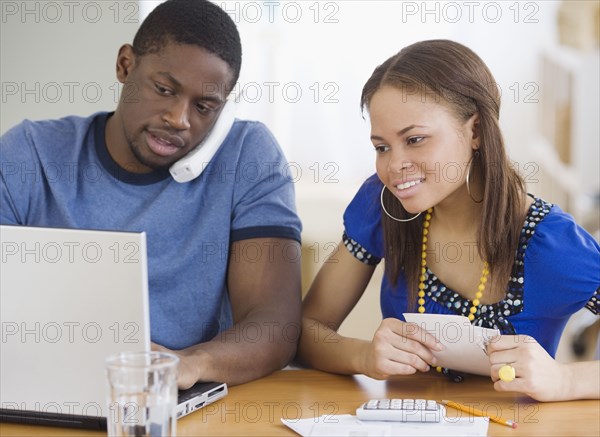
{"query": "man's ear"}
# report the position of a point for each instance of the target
(125, 62)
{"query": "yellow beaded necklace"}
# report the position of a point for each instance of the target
(421, 294)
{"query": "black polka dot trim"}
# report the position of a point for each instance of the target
(488, 316)
(359, 252)
(594, 303)
(494, 315)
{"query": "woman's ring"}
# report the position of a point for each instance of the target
(507, 373)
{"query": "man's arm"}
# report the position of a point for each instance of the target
(15, 185)
(265, 294)
(8, 215)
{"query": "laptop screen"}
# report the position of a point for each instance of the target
(68, 299)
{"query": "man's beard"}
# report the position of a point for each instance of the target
(135, 150)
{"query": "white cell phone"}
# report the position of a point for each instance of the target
(193, 164)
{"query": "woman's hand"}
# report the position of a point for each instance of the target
(537, 374)
(399, 348)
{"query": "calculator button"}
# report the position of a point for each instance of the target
(396, 404)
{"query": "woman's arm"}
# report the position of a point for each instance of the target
(336, 289)
(396, 348)
(538, 375)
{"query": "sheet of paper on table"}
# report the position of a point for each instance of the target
(347, 425)
(465, 343)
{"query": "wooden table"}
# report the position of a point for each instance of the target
(257, 407)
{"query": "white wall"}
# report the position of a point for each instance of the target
(341, 55)
(58, 58)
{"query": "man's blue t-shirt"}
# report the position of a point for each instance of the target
(59, 173)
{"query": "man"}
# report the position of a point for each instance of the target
(223, 249)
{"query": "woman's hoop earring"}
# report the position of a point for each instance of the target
(392, 217)
(476, 154)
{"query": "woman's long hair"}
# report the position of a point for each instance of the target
(455, 75)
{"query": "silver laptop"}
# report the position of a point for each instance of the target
(68, 299)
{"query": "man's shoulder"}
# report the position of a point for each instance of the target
(50, 129)
(250, 139)
(249, 130)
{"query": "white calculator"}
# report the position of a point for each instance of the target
(401, 410)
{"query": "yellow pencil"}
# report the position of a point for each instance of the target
(476, 412)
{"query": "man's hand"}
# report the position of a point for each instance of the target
(187, 370)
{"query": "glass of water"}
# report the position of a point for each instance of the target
(142, 394)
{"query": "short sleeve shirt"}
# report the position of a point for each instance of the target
(556, 271)
(59, 173)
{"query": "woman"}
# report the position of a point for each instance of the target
(453, 221)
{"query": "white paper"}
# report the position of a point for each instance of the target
(465, 343)
(347, 425)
